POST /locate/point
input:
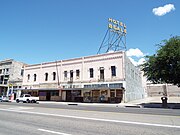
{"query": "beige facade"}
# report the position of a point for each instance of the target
(11, 76)
(109, 77)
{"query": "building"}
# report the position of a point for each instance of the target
(11, 76)
(109, 77)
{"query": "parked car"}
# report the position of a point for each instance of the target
(4, 99)
(27, 98)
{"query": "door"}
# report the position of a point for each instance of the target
(48, 96)
(112, 96)
(68, 95)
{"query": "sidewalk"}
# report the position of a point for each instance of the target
(149, 102)
(92, 104)
(155, 102)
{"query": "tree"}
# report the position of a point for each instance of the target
(164, 66)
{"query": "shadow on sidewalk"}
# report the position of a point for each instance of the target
(159, 105)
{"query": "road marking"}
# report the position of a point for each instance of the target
(53, 132)
(20, 108)
(94, 119)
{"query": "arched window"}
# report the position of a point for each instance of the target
(54, 76)
(28, 77)
(46, 76)
(35, 77)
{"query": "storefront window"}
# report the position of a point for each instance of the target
(55, 93)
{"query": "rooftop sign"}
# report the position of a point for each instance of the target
(116, 26)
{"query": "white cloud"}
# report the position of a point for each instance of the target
(139, 62)
(160, 11)
(137, 54)
(133, 61)
(134, 52)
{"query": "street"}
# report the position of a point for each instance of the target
(34, 119)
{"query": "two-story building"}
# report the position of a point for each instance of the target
(109, 77)
(11, 76)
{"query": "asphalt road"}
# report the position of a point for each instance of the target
(154, 111)
(36, 119)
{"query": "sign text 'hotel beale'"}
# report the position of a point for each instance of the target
(117, 26)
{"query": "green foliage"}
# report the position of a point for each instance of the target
(164, 66)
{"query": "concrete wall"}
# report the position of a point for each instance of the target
(160, 89)
(134, 88)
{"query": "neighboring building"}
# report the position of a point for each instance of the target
(109, 77)
(11, 75)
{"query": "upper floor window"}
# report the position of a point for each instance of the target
(46, 76)
(77, 73)
(22, 72)
(28, 77)
(113, 70)
(91, 71)
(7, 70)
(54, 76)
(65, 74)
(101, 73)
(71, 75)
(35, 77)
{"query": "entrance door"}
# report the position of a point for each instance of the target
(64, 95)
(112, 96)
(48, 96)
(95, 95)
(68, 95)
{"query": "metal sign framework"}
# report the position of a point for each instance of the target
(115, 37)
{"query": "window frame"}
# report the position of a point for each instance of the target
(113, 71)
(46, 76)
(91, 72)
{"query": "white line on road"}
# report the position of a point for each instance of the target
(94, 119)
(53, 132)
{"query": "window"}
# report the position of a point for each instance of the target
(77, 73)
(55, 93)
(91, 72)
(35, 77)
(28, 77)
(102, 73)
(7, 70)
(65, 74)
(22, 72)
(46, 76)
(54, 76)
(71, 75)
(113, 70)
(27, 96)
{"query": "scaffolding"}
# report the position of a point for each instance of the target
(115, 37)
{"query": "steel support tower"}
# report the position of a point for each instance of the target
(115, 37)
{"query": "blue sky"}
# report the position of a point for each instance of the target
(36, 31)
